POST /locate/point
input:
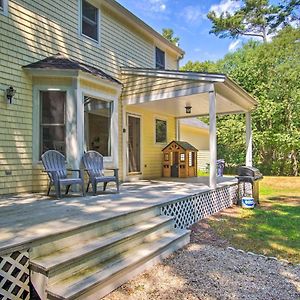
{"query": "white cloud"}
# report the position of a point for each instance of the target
(157, 5)
(193, 14)
(225, 6)
(234, 45)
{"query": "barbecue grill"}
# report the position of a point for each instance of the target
(250, 175)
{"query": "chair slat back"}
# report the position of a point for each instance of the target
(54, 160)
(93, 163)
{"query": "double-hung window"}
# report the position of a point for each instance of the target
(98, 121)
(160, 131)
(52, 121)
(160, 59)
(89, 20)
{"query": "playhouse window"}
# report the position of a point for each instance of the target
(191, 159)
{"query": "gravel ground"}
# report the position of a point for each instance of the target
(206, 269)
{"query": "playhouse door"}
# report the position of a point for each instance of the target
(175, 165)
(134, 143)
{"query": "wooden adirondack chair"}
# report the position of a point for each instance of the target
(55, 166)
(93, 163)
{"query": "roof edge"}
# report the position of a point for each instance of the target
(200, 76)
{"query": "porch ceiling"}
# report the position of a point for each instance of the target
(171, 91)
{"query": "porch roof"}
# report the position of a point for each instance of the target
(172, 90)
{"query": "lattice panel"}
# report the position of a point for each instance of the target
(182, 211)
(14, 276)
(192, 209)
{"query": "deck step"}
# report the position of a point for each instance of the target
(57, 242)
(97, 281)
(78, 254)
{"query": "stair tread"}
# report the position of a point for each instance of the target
(64, 255)
(81, 281)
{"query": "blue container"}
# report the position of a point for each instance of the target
(248, 202)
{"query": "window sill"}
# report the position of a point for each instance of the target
(89, 39)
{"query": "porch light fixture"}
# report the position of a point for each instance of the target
(10, 92)
(188, 109)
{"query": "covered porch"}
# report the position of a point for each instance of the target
(179, 95)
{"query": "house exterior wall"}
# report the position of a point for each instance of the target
(199, 138)
(33, 30)
(151, 152)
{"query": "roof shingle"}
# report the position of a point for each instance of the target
(61, 62)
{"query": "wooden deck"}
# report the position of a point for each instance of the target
(27, 217)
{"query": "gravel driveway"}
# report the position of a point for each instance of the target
(207, 269)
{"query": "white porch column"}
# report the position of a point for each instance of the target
(248, 140)
(212, 140)
(177, 129)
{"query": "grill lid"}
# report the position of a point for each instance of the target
(249, 171)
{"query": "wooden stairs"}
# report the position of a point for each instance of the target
(91, 261)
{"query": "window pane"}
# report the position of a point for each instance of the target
(53, 107)
(98, 125)
(1, 4)
(53, 137)
(89, 20)
(52, 121)
(161, 131)
(160, 59)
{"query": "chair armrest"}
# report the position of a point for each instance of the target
(76, 170)
(116, 171)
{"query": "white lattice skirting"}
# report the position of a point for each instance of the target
(14, 276)
(191, 209)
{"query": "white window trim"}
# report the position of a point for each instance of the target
(83, 36)
(154, 125)
(112, 160)
(4, 10)
(36, 114)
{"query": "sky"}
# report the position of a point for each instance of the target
(188, 20)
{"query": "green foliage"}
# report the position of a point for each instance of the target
(256, 18)
(168, 34)
(270, 72)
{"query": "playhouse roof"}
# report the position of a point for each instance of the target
(183, 145)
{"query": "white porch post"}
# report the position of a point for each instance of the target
(248, 140)
(212, 140)
(177, 129)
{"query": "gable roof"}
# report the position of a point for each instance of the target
(61, 62)
(183, 145)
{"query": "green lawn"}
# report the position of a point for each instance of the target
(273, 228)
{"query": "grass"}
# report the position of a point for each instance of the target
(271, 229)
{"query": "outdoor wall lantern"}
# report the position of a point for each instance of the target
(10, 92)
(188, 109)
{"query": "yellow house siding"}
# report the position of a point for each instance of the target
(151, 154)
(36, 29)
(199, 138)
